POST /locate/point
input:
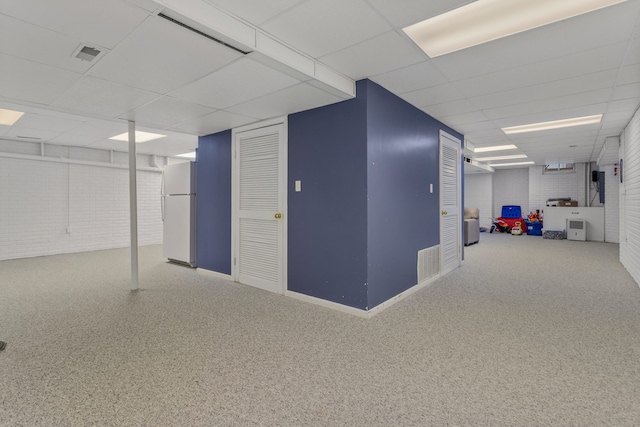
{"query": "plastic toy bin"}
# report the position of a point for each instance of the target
(511, 212)
(534, 229)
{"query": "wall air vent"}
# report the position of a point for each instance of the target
(190, 28)
(87, 53)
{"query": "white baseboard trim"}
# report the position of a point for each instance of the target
(215, 274)
(328, 304)
(366, 314)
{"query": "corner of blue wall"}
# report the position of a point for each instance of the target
(213, 201)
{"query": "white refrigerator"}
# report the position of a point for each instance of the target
(178, 195)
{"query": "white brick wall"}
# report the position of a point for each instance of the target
(40, 199)
(511, 187)
(611, 205)
(630, 198)
(478, 193)
(547, 186)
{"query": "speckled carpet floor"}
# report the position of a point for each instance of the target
(528, 332)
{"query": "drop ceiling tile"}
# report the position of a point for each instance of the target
(631, 91)
(626, 105)
(452, 108)
(100, 128)
(161, 56)
(47, 122)
(467, 118)
(214, 122)
(320, 27)
(629, 74)
(287, 101)
(433, 95)
(411, 78)
(239, 82)
(633, 53)
(380, 54)
(256, 11)
(561, 87)
(4, 129)
(553, 108)
(412, 11)
(100, 22)
(28, 81)
(593, 61)
(148, 5)
(92, 96)
(166, 112)
(40, 45)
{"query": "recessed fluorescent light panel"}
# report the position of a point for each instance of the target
(556, 124)
(140, 136)
(191, 155)
(485, 20)
(511, 164)
(9, 117)
(494, 148)
(488, 159)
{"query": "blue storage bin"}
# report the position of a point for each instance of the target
(511, 212)
(534, 229)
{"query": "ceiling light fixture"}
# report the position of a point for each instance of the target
(556, 124)
(190, 155)
(485, 20)
(494, 148)
(140, 136)
(511, 164)
(9, 117)
(488, 159)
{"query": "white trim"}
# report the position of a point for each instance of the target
(75, 162)
(215, 274)
(365, 314)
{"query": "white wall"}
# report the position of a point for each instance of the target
(478, 193)
(630, 198)
(49, 207)
(511, 187)
(551, 185)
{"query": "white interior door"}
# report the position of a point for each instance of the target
(259, 218)
(450, 233)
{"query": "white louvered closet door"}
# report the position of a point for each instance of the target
(450, 238)
(259, 207)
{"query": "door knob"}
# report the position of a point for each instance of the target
(444, 212)
(278, 215)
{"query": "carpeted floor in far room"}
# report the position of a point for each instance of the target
(527, 332)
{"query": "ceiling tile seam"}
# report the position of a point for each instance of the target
(276, 16)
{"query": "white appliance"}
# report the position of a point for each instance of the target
(178, 196)
(576, 229)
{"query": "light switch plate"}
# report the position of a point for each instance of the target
(298, 186)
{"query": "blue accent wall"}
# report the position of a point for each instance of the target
(214, 202)
(403, 216)
(327, 224)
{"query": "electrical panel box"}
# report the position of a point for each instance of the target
(576, 229)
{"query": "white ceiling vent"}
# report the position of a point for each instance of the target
(86, 53)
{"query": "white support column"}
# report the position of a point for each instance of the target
(133, 206)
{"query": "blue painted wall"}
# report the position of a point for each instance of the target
(327, 224)
(403, 216)
(214, 202)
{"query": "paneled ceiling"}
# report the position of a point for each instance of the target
(171, 80)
